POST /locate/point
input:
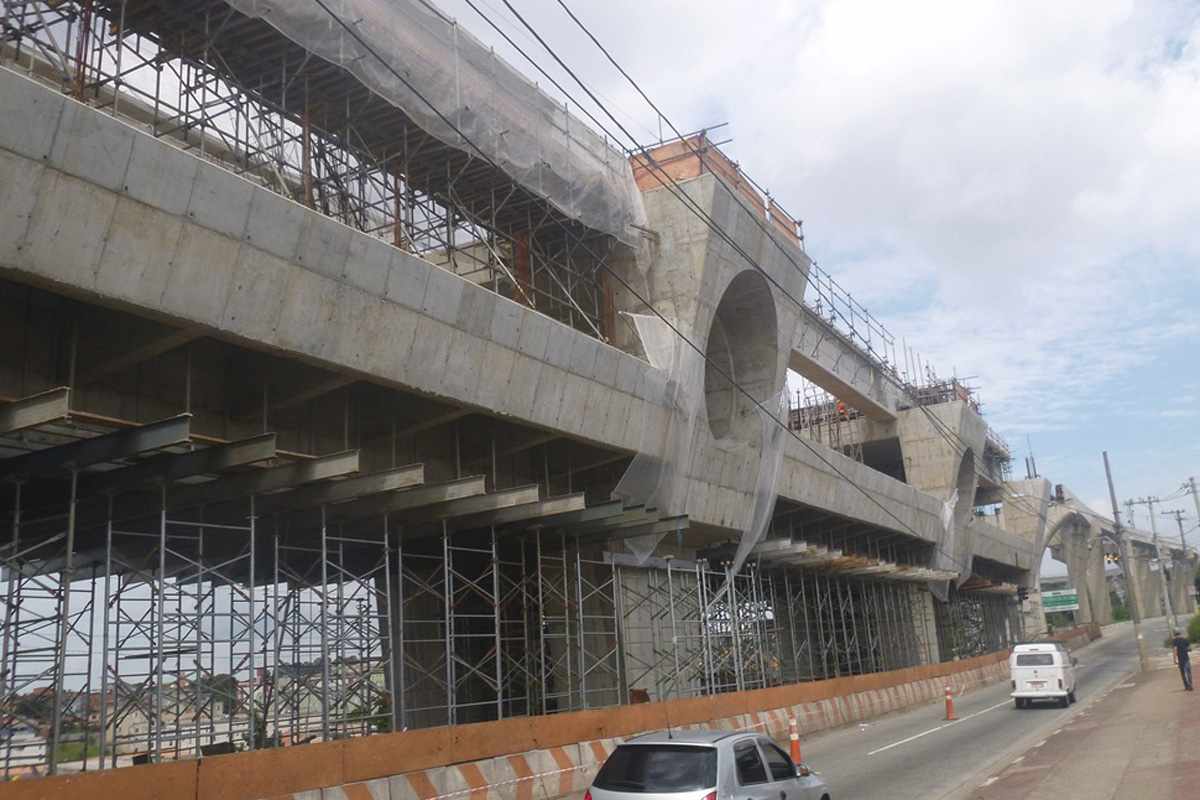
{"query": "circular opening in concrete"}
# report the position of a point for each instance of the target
(743, 342)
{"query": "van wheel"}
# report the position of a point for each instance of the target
(1019, 701)
(1071, 697)
(1064, 701)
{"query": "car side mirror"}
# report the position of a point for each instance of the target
(802, 771)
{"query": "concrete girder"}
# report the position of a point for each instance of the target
(296, 399)
(144, 352)
(829, 360)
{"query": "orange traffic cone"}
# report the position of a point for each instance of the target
(794, 736)
(949, 705)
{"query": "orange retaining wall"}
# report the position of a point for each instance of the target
(513, 759)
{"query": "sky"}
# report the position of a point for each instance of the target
(1009, 186)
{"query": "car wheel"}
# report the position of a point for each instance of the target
(1071, 697)
(1064, 701)
(1019, 702)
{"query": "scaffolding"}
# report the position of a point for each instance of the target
(233, 90)
(819, 415)
(168, 594)
(156, 616)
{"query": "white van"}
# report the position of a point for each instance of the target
(1042, 671)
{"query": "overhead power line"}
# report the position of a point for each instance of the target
(672, 185)
(348, 28)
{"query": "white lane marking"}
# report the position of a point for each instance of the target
(938, 728)
(989, 781)
(1018, 760)
(1039, 744)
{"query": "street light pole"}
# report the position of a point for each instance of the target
(1125, 553)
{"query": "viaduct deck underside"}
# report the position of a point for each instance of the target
(243, 597)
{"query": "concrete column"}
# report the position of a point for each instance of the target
(1024, 513)
(1147, 588)
(1180, 587)
(1085, 568)
(1034, 616)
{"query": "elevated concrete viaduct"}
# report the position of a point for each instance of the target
(320, 423)
(1051, 516)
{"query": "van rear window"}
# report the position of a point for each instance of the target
(1035, 659)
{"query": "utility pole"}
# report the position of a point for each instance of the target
(1162, 573)
(1126, 553)
(1190, 486)
(1178, 515)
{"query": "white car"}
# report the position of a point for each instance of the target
(1042, 671)
(704, 765)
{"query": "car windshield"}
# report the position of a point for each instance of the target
(647, 768)
(1035, 660)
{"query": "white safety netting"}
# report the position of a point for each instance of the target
(774, 439)
(529, 135)
(954, 546)
(658, 475)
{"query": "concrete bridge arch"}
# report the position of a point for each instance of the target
(1078, 543)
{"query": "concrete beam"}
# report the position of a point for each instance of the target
(828, 359)
(102, 449)
(435, 422)
(319, 390)
(134, 356)
(37, 409)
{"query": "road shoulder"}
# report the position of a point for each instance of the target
(1141, 738)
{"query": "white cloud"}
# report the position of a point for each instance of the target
(1010, 184)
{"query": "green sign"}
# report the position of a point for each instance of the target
(1061, 600)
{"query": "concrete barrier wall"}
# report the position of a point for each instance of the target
(524, 758)
(1079, 636)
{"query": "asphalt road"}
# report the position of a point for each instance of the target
(917, 755)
